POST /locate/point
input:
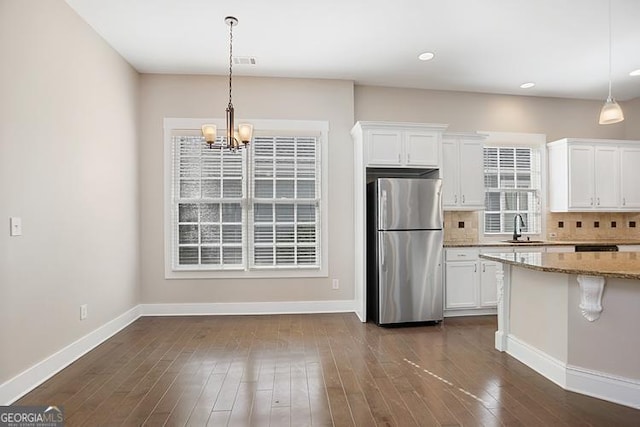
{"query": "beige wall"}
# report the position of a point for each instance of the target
(254, 98)
(538, 308)
(611, 343)
(68, 162)
(631, 111)
(555, 117)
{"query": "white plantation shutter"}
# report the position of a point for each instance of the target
(255, 212)
(512, 178)
(285, 202)
(208, 205)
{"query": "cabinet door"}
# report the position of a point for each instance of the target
(630, 177)
(422, 149)
(461, 285)
(450, 173)
(384, 147)
(488, 284)
(580, 177)
(606, 171)
(471, 174)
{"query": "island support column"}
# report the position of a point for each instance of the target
(503, 274)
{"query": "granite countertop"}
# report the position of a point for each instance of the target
(540, 243)
(622, 265)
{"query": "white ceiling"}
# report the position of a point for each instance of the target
(480, 45)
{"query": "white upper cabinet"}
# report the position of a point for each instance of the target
(593, 175)
(422, 149)
(462, 171)
(384, 147)
(630, 177)
(404, 145)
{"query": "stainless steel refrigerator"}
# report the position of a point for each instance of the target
(404, 250)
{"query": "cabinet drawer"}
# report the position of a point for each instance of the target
(467, 254)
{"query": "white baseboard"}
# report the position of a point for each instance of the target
(247, 308)
(624, 391)
(471, 312)
(21, 384)
(547, 366)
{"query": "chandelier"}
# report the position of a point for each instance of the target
(243, 133)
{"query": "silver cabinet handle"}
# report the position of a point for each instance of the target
(455, 198)
(598, 201)
(463, 198)
(475, 268)
(484, 267)
(408, 157)
(624, 201)
(591, 203)
(399, 160)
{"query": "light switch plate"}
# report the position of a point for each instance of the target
(15, 226)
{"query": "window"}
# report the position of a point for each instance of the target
(512, 179)
(256, 213)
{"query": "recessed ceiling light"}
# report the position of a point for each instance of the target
(635, 72)
(426, 56)
(527, 85)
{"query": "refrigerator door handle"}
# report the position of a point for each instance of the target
(381, 250)
(382, 209)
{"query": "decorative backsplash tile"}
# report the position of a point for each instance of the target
(591, 226)
(460, 227)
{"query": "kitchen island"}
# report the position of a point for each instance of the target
(574, 318)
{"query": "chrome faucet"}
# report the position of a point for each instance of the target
(516, 232)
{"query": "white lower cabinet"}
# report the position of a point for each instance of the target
(462, 285)
(470, 283)
(488, 284)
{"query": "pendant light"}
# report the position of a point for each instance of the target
(245, 130)
(611, 111)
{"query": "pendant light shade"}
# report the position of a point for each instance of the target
(611, 111)
(209, 132)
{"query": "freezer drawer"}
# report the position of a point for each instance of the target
(409, 276)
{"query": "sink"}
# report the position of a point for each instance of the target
(524, 242)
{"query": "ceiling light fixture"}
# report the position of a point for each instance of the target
(527, 85)
(426, 56)
(245, 130)
(611, 111)
(635, 73)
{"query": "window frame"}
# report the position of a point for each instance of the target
(519, 140)
(191, 127)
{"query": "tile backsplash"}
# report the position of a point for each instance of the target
(460, 227)
(589, 226)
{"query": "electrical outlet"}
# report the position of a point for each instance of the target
(335, 284)
(83, 311)
(553, 234)
(15, 226)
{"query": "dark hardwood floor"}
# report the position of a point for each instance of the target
(320, 370)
